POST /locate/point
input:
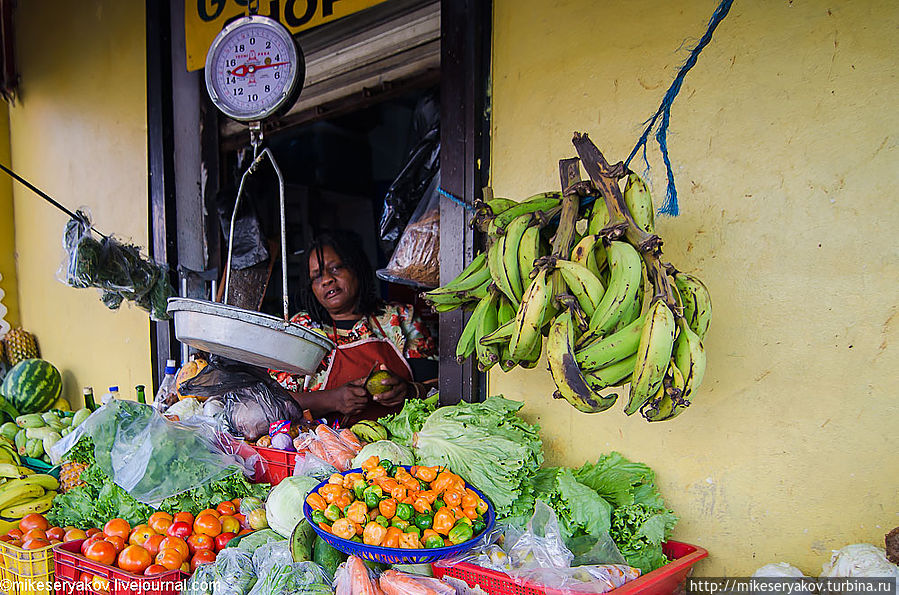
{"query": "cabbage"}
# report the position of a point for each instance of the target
(384, 449)
(284, 506)
(863, 560)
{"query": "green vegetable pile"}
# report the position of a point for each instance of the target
(487, 444)
(403, 425)
(99, 499)
(616, 496)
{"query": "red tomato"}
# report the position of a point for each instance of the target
(35, 544)
(101, 551)
(177, 544)
(199, 542)
(155, 569)
(202, 557)
(87, 542)
(207, 524)
(140, 535)
(117, 528)
(226, 507)
(229, 524)
(92, 531)
(179, 529)
(117, 542)
(152, 544)
(55, 533)
(33, 521)
(221, 541)
(73, 534)
(170, 559)
(184, 517)
(134, 559)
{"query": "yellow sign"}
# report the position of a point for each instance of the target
(203, 19)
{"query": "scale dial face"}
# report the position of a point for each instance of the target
(254, 69)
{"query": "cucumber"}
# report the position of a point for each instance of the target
(301, 540)
(326, 556)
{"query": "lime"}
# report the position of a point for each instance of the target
(373, 384)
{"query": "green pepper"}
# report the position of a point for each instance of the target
(356, 538)
(460, 533)
(478, 525)
(399, 523)
(423, 521)
(423, 485)
(405, 511)
(382, 520)
(438, 504)
(413, 529)
(359, 489)
(433, 541)
(332, 513)
(319, 517)
(372, 496)
(389, 467)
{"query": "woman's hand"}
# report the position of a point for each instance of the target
(350, 398)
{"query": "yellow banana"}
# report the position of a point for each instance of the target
(653, 355)
(38, 505)
(614, 374)
(696, 301)
(614, 348)
(639, 203)
(529, 317)
(584, 285)
(689, 356)
(16, 491)
(466, 344)
(528, 252)
(570, 382)
(9, 470)
(599, 217)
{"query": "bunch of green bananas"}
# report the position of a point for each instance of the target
(590, 299)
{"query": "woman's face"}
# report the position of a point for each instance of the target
(335, 286)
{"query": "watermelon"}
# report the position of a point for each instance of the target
(32, 386)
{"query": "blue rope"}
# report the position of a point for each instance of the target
(670, 206)
(455, 199)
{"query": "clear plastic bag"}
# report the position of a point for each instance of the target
(234, 573)
(153, 458)
(353, 577)
(118, 270)
(202, 581)
(251, 399)
(277, 574)
(311, 466)
(416, 260)
(334, 448)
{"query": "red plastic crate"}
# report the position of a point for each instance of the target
(662, 581)
(277, 464)
(69, 565)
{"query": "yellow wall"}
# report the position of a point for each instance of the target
(784, 145)
(7, 229)
(79, 132)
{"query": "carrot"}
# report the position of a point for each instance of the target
(349, 437)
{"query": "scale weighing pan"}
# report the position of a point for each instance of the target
(247, 336)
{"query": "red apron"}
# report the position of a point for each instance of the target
(353, 361)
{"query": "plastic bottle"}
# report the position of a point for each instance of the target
(112, 394)
(165, 396)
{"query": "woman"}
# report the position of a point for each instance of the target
(338, 295)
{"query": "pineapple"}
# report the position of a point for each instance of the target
(20, 345)
(70, 475)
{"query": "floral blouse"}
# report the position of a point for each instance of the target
(400, 325)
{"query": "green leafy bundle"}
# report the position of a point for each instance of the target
(614, 496)
(403, 425)
(489, 446)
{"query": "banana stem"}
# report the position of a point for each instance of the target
(605, 177)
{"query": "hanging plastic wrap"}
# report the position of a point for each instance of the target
(251, 399)
(118, 270)
(153, 458)
(416, 260)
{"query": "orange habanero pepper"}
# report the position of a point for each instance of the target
(392, 539)
(470, 513)
(444, 480)
(374, 534)
(398, 493)
(421, 505)
(410, 541)
(350, 479)
(376, 473)
(387, 507)
(470, 499)
(316, 501)
(357, 512)
(444, 520)
(427, 474)
(371, 462)
(452, 498)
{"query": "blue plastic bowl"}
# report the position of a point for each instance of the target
(390, 555)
